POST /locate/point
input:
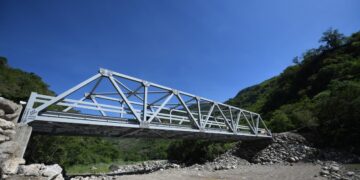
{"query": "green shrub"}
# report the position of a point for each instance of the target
(196, 151)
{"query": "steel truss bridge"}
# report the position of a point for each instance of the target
(118, 105)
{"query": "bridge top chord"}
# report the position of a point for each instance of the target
(114, 104)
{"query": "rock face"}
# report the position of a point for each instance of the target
(9, 112)
(8, 106)
(11, 166)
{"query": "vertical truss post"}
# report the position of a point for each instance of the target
(257, 125)
(122, 107)
(237, 121)
(28, 115)
(146, 87)
(199, 113)
(232, 119)
(253, 123)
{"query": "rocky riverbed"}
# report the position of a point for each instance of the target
(298, 171)
(287, 156)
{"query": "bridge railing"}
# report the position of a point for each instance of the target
(129, 100)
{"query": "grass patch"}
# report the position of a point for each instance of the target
(97, 168)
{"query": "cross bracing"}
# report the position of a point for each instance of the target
(115, 104)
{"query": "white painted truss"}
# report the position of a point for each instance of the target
(110, 99)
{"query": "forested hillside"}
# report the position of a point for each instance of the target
(320, 92)
(17, 85)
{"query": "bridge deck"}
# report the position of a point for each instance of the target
(58, 123)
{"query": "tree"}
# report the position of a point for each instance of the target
(280, 122)
(296, 60)
(3, 61)
(339, 115)
(332, 38)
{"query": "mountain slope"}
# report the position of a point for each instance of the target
(17, 85)
(320, 92)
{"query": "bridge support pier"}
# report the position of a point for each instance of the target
(23, 133)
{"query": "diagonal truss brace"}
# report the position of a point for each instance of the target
(124, 98)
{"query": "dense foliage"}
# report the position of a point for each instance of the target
(321, 91)
(17, 85)
(70, 150)
(133, 149)
(196, 151)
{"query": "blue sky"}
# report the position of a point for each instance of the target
(205, 47)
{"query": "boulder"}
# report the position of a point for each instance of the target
(3, 138)
(51, 171)
(8, 106)
(9, 132)
(12, 117)
(114, 167)
(59, 177)
(292, 159)
(350, 173)
(30, 170)
(2, 113)
(10, 166)
(324, 173)
(334, 168)
(4, 124)
(175, 166)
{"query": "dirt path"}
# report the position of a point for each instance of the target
(300, 171)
